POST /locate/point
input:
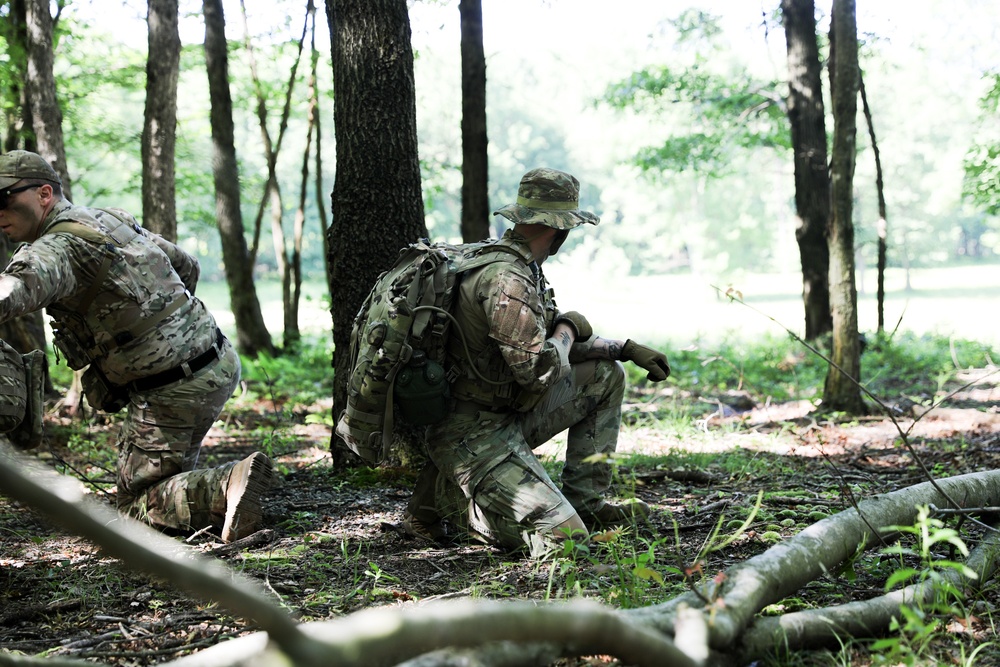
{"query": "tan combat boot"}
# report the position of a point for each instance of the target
(248, 481)
(616, 514)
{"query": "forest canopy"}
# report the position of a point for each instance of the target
(593, 111)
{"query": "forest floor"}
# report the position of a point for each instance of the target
(332, 544)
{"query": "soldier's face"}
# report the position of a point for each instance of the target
(21, 217)
(558, 240)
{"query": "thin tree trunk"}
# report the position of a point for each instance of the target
(475, 172)
(292, 333)
(841, 391)
(271, 151)
(883, 225)
(321, 200)
(252, 335)
(159, 138)
(806, 116)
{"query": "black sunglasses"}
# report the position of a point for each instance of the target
(5, 194)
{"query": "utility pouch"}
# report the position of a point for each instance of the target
(13, 394)
(71, 348)
(422, 391)
(101, 394)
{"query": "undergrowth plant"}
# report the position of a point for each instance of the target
(922, 624)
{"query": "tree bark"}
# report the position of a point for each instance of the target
(17, 113)
(252, 336)
(377, 204)
(32, 27)
(806, 117)
(475, 164)
(159, 132)
(841, 391)
(321, 198)
(883, 224)
(41, 91)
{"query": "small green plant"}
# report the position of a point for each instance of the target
(920, 624)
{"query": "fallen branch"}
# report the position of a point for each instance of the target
(815, 628)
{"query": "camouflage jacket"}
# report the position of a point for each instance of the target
(147, 274)
(506, 311)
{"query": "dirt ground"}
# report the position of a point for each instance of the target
(331, 545)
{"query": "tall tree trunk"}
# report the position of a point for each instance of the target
(806, 116)
(17, 114)
(377, 205)
(841, 391)
(252, 336)
(159, 132)
(41, 88)
(321, 200)
(32, 25)
(475, 165)
(883, 224)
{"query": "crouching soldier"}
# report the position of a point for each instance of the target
(122, 306)
(540, 372)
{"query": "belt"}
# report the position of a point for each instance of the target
(187, 369)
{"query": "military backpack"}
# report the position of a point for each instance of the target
(399, 341)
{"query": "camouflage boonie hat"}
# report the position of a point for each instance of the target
(18, 165)
(548, 197)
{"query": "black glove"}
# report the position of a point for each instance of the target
(652, 360)
(581, 327)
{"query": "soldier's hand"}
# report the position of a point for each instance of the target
(581, 327)
(652, 360)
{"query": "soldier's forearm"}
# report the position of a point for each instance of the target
(606, 348)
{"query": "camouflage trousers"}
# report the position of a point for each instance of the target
(484, 478)
(158, 448)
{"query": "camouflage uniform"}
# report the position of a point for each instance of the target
(178, 369)
(484, 476)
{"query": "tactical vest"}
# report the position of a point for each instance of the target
(81, 330)
(494, 386)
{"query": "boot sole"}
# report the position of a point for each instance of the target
(243, 510)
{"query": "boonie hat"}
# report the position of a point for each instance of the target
(18, 165)
(548, 197)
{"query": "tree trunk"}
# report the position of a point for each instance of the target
(17, 113)
(806, 116)
(33, 26)
(252, 336)
(159, 132)
(883, 225)
(475, 172)
(841, 391)
(377, 205)
(41, 88)
(321, 200)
